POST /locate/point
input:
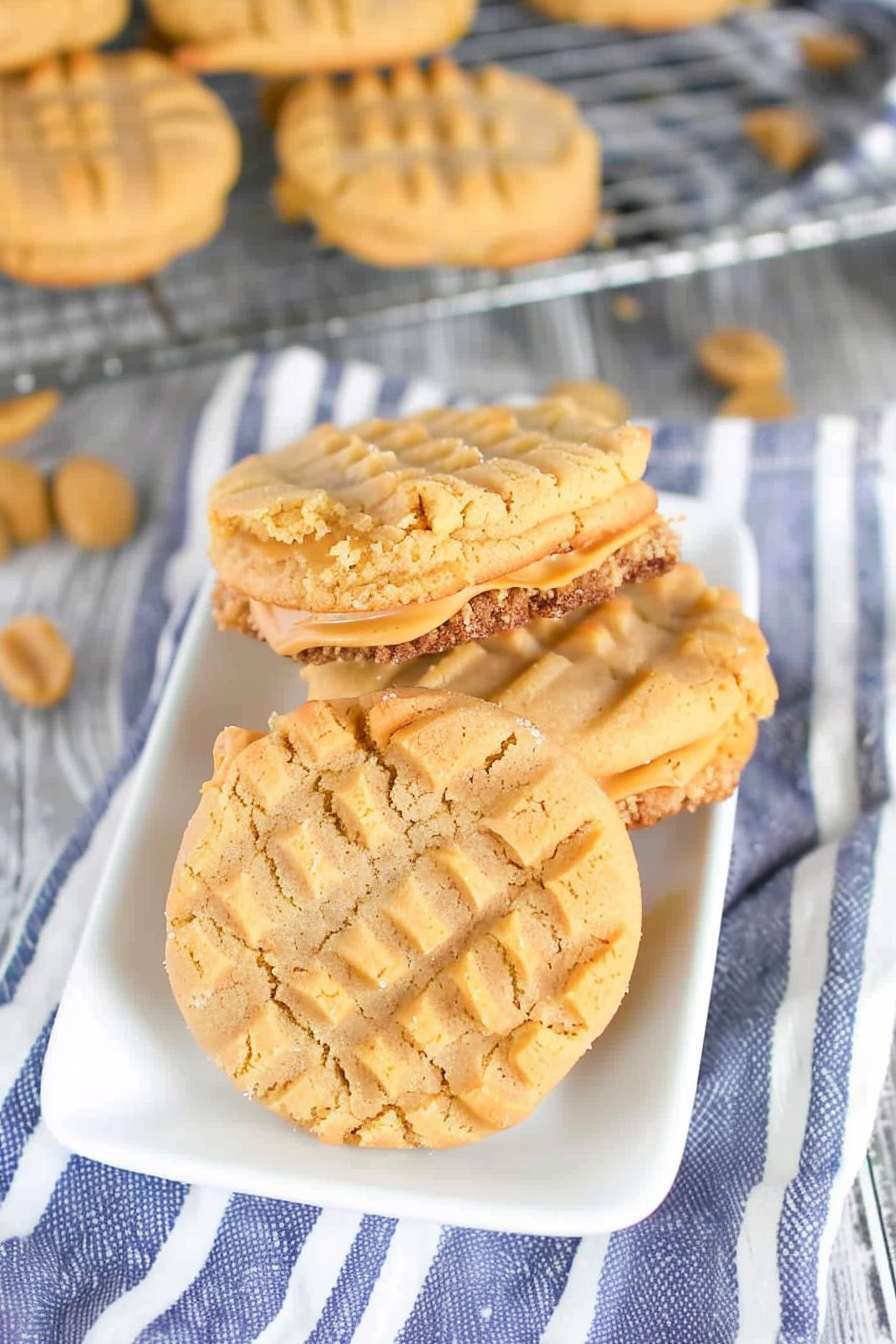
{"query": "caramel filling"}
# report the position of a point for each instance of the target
(673, 770)
(291, 632)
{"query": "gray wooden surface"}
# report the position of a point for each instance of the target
(835, 313)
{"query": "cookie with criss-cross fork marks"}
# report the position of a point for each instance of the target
(400, 921)
(284, 37)
(31, 30)
(657, 692)
(649, 15)
(110, 166)
(423, 167)
(400, 537)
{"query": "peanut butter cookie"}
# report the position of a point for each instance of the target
(294, 37)
(31, 30)
(400, 921)
(110, 166)
(439, 166)
(657, 693)
(401, 537)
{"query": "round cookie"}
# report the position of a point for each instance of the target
(135, 156)
(399, 921)
(31, 30)
(646, 15)
(439, 166)
(291, 39)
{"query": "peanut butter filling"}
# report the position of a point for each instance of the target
(291, 632)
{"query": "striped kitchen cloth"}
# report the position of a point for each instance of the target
(800, 1022)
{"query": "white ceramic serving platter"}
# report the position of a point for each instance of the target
(125, 1083)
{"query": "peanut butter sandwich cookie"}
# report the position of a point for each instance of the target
(397, 538)
(400, 921)
(647, 15)
(31, 30)
(295, 37)
(110, 166)
(439, 166)
(657, 692)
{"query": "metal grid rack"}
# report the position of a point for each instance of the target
(682, 190)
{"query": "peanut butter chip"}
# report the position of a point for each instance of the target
(95, 503)
(758, 403)
(6, 538)
(24, 501)
(787, 137)
(600, 398)
(36, 663)
(626, 308)
(831, 51)
(25, 415)
(741, 357)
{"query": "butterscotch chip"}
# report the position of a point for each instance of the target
(276, 39)
(758, 403)
(400, 921)
(439, 166)
(831, 51)
(36, 663)
(25, 415)
(786, 136)
(601, 398)
(24, 501)
(31, 30)
(741, 357)
(657, 693)
(135, 156)
(646, 15)
(95, 503)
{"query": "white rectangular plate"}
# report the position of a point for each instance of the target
(125, 1083)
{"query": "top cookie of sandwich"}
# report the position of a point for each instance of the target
(294, 37)
(33, 29)
(393, 512)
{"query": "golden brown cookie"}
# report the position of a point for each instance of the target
(110, 166)
(37, 665)
(649, 15)
(439, 528)
(31, 30)
(25, 415)
(657, 692)
(24, 501)
(400, 921)
(439, 166)
(95, 503)
(297, 38)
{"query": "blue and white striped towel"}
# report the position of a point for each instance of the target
(799, 1028)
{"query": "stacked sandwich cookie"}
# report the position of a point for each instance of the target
(400, 916)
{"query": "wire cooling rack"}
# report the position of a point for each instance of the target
(682, 191)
